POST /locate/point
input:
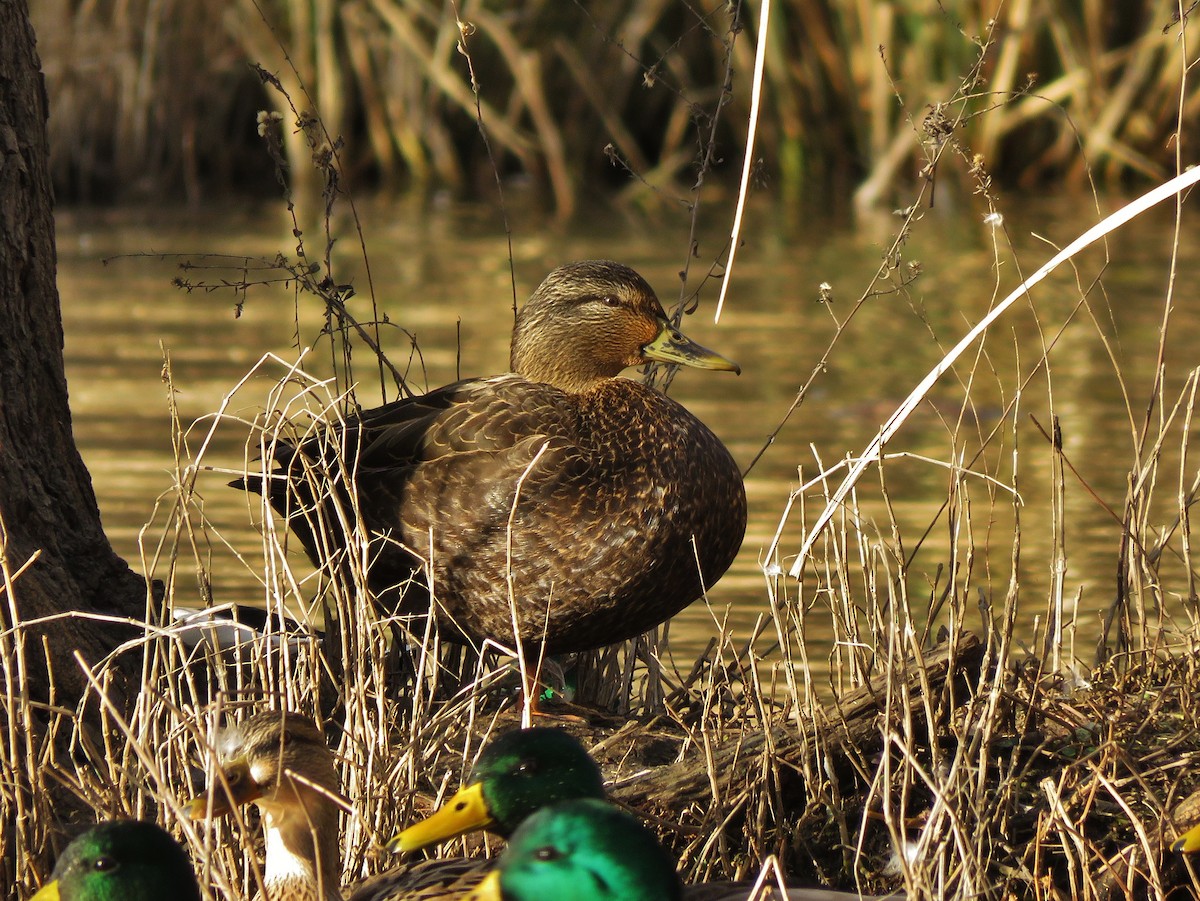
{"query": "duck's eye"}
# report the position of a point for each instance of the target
(527, 766)
(105, 864)
(547, 852)
(610, 300)
(233, 778)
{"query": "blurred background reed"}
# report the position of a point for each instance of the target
(157, 98)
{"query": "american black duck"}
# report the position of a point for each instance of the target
(600, 506)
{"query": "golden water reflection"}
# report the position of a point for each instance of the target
(444, 276)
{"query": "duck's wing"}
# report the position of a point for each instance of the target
(435, 479)
(423, 880)
(454, 457)
(456, 435)
(492, 415)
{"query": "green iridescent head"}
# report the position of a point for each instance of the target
(517, 773)
(123, 860)
(584, 850)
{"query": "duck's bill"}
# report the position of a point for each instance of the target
(1189, 842)
(673, 346)
(236, 789)
(488, 889)
(49, 892)
(466, 812)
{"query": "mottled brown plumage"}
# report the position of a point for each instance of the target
(604, 482)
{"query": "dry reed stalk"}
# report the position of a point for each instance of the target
(994, 770)
(434, 55)
(166, 85)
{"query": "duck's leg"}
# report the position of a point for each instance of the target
(534, 693)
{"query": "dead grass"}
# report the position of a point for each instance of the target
(944, 757)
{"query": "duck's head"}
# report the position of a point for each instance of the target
(592, 319)
(279, 761)
(517, 773)
(586, 849)
(130, 860)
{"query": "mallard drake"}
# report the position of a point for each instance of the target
(587, 850)
(131, 860)
(281, 763)
(590, 850)
(600, 506)
(516, 774)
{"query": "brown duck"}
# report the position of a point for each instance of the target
(599, 505)
(281, 763)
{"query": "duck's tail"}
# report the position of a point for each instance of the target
(305, 488)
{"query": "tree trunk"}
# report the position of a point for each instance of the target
(47, 506)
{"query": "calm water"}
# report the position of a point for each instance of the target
(444, 277)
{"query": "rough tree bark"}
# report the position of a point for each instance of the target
(47, 505)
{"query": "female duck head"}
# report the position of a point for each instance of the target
(130, 860)
(592, 319)
(281, 763)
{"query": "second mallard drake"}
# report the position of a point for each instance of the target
(600, 506)
(582, 850)
(517, 773)
(589, 850)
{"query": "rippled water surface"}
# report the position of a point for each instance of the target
(444, 276)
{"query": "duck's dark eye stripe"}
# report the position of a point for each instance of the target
(262, 749)
(270, 746)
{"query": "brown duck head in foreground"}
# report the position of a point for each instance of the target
(281, 763)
